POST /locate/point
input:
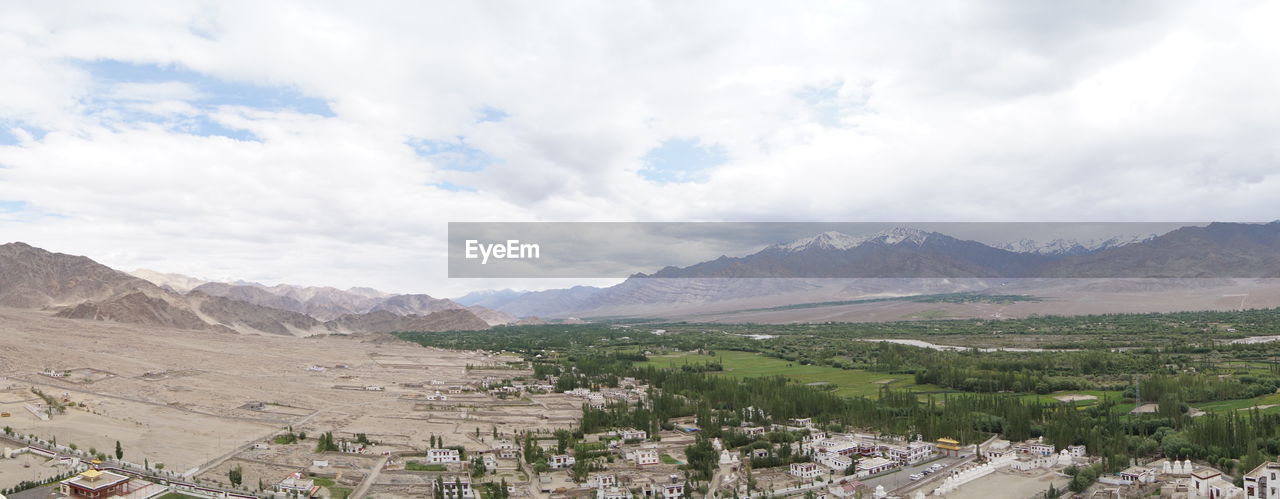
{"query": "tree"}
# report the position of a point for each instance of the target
(235, 475)
(119, 451)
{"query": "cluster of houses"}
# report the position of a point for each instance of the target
(499, 388)
(636, 393)
(609, 486)
(1183, 478)
(878, 454)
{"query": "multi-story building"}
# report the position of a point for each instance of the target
(806, 470)
(443, 456)
(1263, 482)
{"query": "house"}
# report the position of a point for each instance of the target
(806, 470)
(753, 430)
(996, 449)
(560, 461)
(912, 453)
(1076, 450)
(296, 485)
(645, 457)
(442, 456)
(95, 484)
(852, 488)
(600, 480)
(759, 453)
(1263, 482)
(457, 487)
(511, 453)
(505, 443)
(876, 465)
(1137, 474)
(672, 488)
(1209, 483)
(836, 462)
(1037, 447)
(633, 434)
(802, 421)
(612, 493)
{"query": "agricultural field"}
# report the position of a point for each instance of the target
(848, 382)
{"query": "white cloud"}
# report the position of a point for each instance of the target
(999, 110)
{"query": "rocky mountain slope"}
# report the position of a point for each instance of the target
(76, 287)
(177, 283)
(34, 278)
(382, 321)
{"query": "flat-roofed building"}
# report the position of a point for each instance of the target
(95, 484)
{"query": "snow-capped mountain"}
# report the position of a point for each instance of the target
(1071, 247)
(832, 240)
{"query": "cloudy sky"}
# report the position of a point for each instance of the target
(330, 144)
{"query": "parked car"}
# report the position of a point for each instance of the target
(916, 476)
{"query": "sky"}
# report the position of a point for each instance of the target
(330, 143)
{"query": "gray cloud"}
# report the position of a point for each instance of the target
(991, 111)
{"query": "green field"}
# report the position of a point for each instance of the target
(848, 382)
(417, 466)
(1242, 404)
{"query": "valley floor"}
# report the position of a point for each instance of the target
(198, 401)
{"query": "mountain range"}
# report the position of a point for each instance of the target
(910, 261)
(826, 267)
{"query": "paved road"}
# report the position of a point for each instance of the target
(932, 480)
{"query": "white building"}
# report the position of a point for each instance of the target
(602, 480)
(1263, 482)
(806, 470)
(442, 456)
(296, 484)
(458, 487)
(612, 493)
(560, 461)
(673, 488)
(1209, 483)
(875, 465)
(836, 462)
(912, 453)
(645, 457)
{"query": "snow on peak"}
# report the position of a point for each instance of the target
(1071, 246)
(841, 241)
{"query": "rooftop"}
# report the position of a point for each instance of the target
(95, 480)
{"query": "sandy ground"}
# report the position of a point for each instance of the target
(180, 397)
(1008, 485)
(1060, 297)
(27, 467)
